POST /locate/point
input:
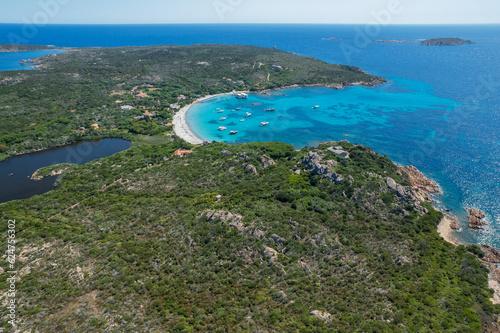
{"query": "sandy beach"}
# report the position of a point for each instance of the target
(445, 230)
(181, 127)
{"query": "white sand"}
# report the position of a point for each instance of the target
(446, 231)
(181, 127)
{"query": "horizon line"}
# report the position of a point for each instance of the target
(260, 23)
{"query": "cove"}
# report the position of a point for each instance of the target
(15, 172)
(10, 61)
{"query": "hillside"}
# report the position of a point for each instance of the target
(242, 238)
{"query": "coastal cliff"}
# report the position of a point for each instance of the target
(425, 187)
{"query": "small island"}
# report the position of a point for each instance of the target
(445, 42)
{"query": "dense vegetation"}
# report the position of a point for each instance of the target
(143, 255)
(58, 105)
(247, 238)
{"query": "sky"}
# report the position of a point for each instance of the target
(250, 11)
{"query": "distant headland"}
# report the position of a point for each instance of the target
(433, 41)
(24, 48)
(445, 41)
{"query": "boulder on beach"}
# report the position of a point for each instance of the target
(475, 218)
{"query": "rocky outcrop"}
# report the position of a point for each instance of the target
(475, 218)
(494, 282)
(226, 152)
(373, 176)
(339, 151)
(277, 239)
(454, 224)
(312, 162)
(232, 220)
(42, 173)
(266, 161)
(490, 254)
(491, 259)
(271, 253)
(325, 316)
(258, 234)
(424, 186)
(406, 194)
(53, 173)
(251, 169)
(224, 216)
(401, 260)
(391, 184)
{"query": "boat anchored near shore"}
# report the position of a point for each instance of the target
(241, 96)
(233, 132)
(264, 123)
(248, 114)
(222, 128)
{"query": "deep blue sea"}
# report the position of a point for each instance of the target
(440, 110)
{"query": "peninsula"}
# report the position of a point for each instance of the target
(136, 90)
(172, 237)
(24, 48)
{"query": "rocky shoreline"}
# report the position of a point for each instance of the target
(427, 188)
(45, 172)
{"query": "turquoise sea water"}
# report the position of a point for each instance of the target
(10, 61)
(440, 110)
(340, 114)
